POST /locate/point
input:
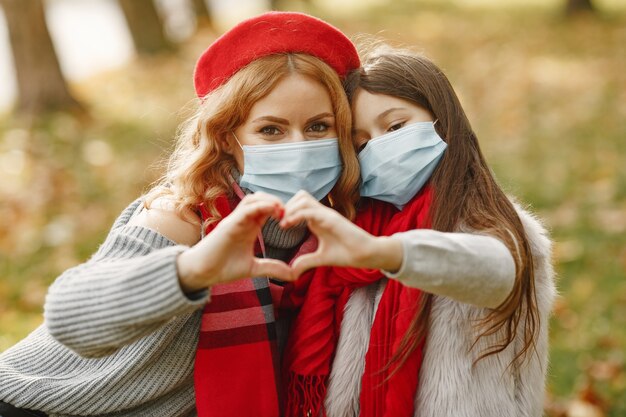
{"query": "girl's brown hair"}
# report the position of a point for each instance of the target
(466, 195)
(199, 168)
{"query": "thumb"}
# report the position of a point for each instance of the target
(265, 267)
(304, 262)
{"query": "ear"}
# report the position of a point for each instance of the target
(226, 143)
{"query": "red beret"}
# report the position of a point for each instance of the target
(272, 33)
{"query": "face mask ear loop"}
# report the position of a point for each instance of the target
(237, 139)
(435, 122)
(241, 195)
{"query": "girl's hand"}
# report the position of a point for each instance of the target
(227, 253)
(341, 243)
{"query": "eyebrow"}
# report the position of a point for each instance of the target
(320, 116)
(386, 112)
(286, 122)
(271, 119)
(380, 117)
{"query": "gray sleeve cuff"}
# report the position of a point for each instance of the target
(403, 267)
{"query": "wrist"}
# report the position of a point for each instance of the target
(189, 275)
(388, 255)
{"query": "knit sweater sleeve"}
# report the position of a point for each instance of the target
(128, 289)
(470, 268)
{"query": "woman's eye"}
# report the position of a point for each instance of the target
(319, 127)
(270, 130)
(395, 126)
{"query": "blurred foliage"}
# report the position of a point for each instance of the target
(546, 96)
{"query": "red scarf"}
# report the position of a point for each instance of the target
(315, 332)
(237, 369)
(237, 364)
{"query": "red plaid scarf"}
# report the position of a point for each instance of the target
(237, 365)
(315, 332)
(237, 369)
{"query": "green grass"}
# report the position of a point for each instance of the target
(546, 96)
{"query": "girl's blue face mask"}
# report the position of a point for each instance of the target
(396, 165)
(283, 169)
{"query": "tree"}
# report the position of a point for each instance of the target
(146, 27)
(203, 13)
(40, 82)
(279, 4)
(577, 6)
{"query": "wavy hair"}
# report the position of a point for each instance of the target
(199, 167)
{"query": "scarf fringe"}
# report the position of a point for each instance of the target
(306, 395)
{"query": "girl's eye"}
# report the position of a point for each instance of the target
(319, 127)
(395, 126)
(270, 130)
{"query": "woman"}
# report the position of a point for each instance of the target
(478, 335)
(121, 331)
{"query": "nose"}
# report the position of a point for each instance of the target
(297, 136)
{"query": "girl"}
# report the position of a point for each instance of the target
(121, 332)
(478, 334)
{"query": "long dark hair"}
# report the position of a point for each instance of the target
(466, 193)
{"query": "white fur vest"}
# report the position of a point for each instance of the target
(449, 385)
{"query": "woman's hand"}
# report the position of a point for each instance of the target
(227, 253)
(341, 243)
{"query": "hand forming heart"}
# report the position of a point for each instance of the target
(340, 242)
(227, 253)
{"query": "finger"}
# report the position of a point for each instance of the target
(264, 267)
(264, 197)
(314, 216)
(294, 209)
(257, 212)
(290, 220)
(299, 197)
(306, 262)
(301, 194)
(261, 196)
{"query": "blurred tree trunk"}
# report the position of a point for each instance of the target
(203, 13)
(276, 4)
(577, 6)
(146, 27)
(40, 82)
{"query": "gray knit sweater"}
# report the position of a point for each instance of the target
(119, 335)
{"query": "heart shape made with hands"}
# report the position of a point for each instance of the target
(340, 242)
(227, 253)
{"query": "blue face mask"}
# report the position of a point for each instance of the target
(283, 169)
(396, 165)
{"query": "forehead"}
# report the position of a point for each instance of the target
(367, 106)
(295, 92)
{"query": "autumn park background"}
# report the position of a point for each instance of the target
(543, 82)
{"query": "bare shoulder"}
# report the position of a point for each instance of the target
(162, 217)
